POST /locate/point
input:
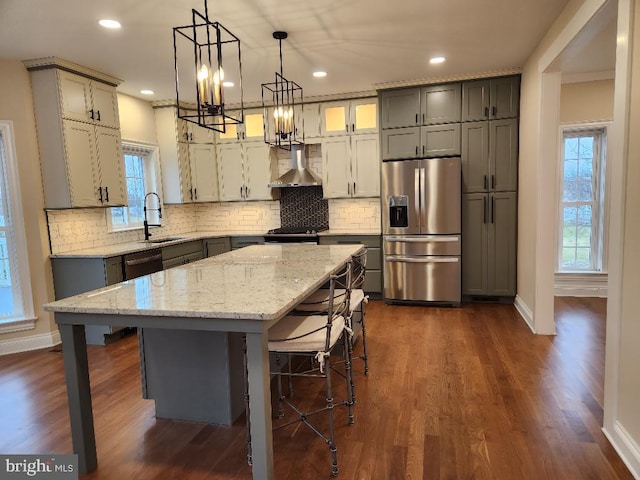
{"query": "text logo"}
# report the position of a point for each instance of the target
(39, 467)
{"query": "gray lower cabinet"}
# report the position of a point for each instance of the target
(216, 246)
(181, 254)
(489, 244)
(373, 276)
(72, 276)
(245, 241)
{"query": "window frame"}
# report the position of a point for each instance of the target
(599, 217)
(152, 181)
(17, 245)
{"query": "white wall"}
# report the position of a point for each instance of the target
(586, 101)
(16, 104)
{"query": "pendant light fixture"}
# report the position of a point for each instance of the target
(282, 105)
(206, 42)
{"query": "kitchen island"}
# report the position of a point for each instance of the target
(245, 291)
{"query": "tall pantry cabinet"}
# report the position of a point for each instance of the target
(78, 126)
(489, 184)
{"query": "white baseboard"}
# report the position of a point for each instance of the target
(626, 447)
(524, 311)
(32, 342)
(581, 285)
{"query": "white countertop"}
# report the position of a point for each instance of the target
(260, 282)
(118, 249)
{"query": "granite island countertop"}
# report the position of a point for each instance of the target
(261, 282)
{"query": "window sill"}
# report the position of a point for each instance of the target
(10, 326)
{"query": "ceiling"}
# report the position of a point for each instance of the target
(360, 43)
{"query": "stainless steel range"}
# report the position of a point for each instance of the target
(293, 235)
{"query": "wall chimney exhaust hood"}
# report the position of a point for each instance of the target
(299, 175)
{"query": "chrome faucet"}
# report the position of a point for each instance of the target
(147, 224)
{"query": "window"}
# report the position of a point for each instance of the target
(139, 161)
(582, 199)
(16, 303)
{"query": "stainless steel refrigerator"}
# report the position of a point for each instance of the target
(421, 230)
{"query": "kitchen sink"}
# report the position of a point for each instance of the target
(164, 240)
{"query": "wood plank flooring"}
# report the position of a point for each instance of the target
(467, 393)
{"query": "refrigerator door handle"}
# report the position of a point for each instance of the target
(423, 199)
(422, 240)
(423, 259)
(416, 188)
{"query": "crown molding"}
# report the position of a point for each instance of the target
(448, 78)
(46, 63)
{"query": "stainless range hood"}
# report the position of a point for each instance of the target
(299, 175)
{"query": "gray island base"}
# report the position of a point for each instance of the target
(244, 291)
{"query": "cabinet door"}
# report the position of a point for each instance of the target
(440, 140)
(474, 243)
(334, 118)
(111, 161)
(257, 171)
(505, 97)
(311, 116)
(105, 105)
(398, 143)
(400, 108)
(475, 157)
(253, 128)
(230, 172)
(82, 163)
(502, 244)
(475, 100)
(185, 187)
(365, 166)
(216, 246)
(232, 130)
(336, 166)
(441, 103)
(503, 154)
(197, 134)
(75, 97)
(363, 116)
(204, 174)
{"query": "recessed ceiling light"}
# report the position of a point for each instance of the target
(106, 23)
(147, 92)
(319, 74)
(228, 84)
(435, 60)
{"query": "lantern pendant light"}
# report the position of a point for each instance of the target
(207, 43)
(282, 103)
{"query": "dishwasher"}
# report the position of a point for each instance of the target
(142, 263)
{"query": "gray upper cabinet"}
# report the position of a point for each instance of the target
(431, 105)
(490, 155)
(399, 108)
(400, 143)
(440, 103)
(440, 140)
(494, 98)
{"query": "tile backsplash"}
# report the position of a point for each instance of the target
(249, 217)
(354, 215)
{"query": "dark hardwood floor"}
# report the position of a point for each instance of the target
(466, 393)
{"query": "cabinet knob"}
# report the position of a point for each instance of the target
(100, 191)
(486, 111)
(106, 191)
(484, 209)
(98, 115)
(195, 193)
(493, 209)
(354, 188)
(91, 114)
(494, 111)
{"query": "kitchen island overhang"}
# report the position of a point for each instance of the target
(244, 291)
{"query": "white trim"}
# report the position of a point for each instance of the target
(581, 285)
(524, 311)
(32, 342)
(17, 222)
(588, 76)
(617, 175)
(625, 446)
(18, 325)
